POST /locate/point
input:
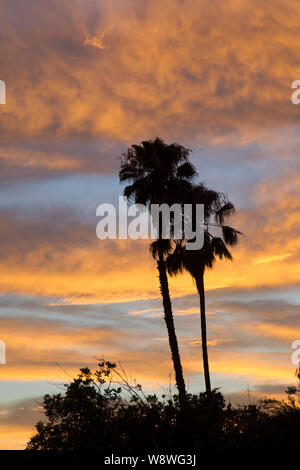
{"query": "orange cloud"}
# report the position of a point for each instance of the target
(180, 69)
(15, 437)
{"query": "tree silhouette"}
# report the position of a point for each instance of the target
(160, 173)
(217, 209)
(103, 410)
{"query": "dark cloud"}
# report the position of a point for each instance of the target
(22, 413)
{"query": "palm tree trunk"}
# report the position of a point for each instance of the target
(201, 291)
(164, 289)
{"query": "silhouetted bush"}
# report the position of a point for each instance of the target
(103, 411)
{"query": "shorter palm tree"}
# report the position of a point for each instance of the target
(217, 238)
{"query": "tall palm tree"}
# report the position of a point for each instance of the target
(217, 238)
(160, 173)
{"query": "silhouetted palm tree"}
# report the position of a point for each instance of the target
(217, 209)
(160, 173)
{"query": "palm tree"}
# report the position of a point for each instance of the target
(160, 173)
(217, 209)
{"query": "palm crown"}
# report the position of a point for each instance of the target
(158, 172)
(217, 209)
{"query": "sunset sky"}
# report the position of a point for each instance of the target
(87, 78)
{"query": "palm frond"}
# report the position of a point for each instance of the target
(224, 212)
(230, 235)
(175, 260)
(186, 170)
(162, 245)
(219, 248)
